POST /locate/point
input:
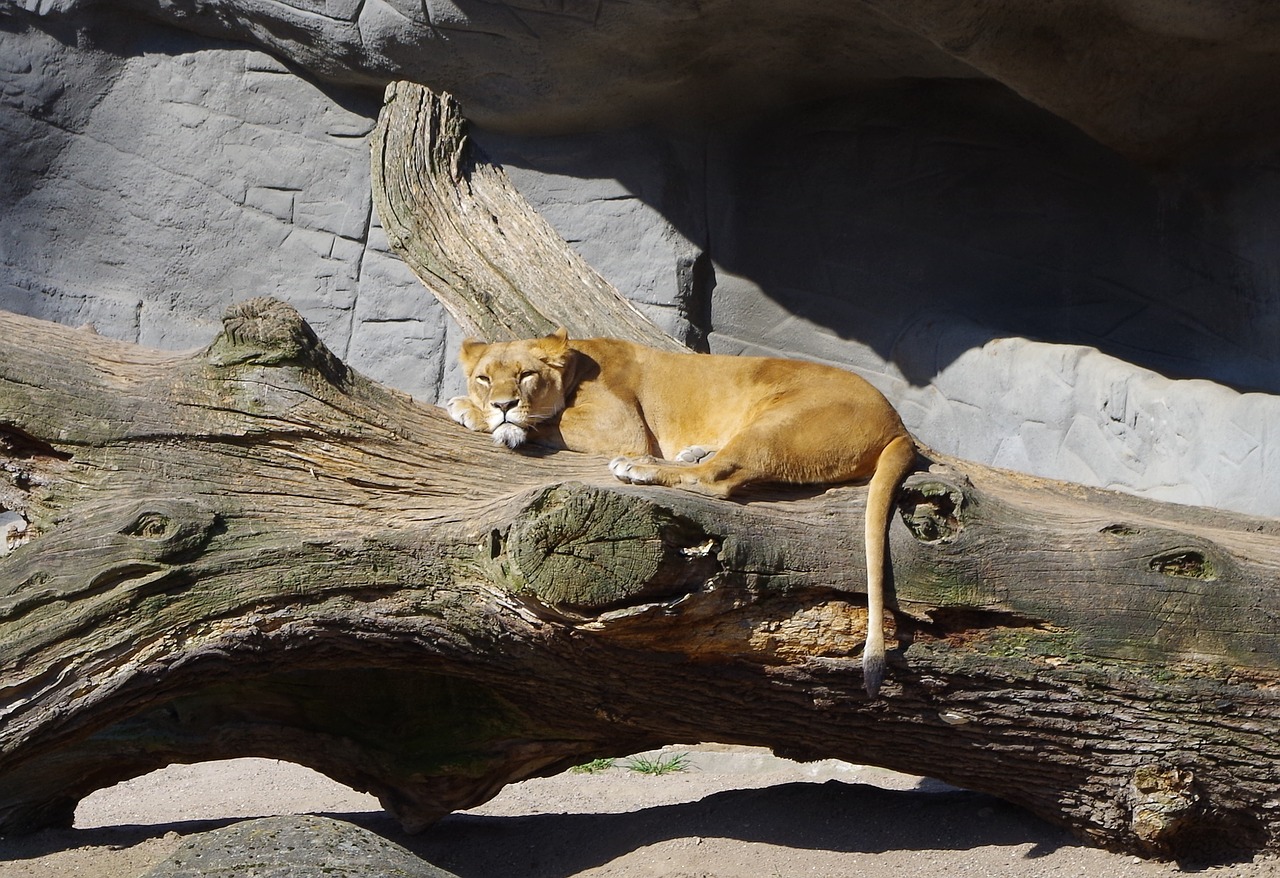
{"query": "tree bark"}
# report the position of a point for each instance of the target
(499, 268)
(253, 550)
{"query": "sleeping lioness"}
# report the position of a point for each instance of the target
(698, 421)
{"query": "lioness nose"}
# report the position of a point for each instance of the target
(504, 405)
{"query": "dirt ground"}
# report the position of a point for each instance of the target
(733, 813)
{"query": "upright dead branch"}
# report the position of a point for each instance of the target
(474, 241)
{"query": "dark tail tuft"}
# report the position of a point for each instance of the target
(872, 672)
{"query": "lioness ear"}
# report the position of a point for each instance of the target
(555, 348)
(472, 350)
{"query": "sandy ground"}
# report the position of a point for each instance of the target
(733, 814)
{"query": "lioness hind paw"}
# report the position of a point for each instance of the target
(631, 470)
(694, 454)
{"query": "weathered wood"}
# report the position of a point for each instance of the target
(473, 240)
(252, 550)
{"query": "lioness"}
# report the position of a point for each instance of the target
(698, 421)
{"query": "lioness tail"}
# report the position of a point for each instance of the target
(896, 460)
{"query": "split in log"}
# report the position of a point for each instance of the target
(253, 550)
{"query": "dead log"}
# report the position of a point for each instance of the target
(253, 550)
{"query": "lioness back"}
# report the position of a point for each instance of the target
(688, 399)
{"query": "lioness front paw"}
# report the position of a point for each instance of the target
(634, 470)
(464, 411)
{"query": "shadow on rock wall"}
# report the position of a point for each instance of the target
(899, 213)
(1026, 297)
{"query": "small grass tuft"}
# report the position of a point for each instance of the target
(660, 765)
(595, 766)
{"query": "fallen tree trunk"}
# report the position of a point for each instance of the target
(252, 550)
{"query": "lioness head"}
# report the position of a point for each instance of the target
(516, 385)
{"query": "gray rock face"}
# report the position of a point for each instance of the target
(159, 177)
(292, 847)
(1026, 296)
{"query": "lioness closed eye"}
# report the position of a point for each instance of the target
(698, 421)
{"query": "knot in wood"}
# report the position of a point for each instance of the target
(1185, 563)
(1165, 806)
(120, 549)
(587, 548)
(169, 527)
(932, 510)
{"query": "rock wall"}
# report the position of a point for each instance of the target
(157, 176)
(1027, 296)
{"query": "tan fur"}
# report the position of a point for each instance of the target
(701, 422)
